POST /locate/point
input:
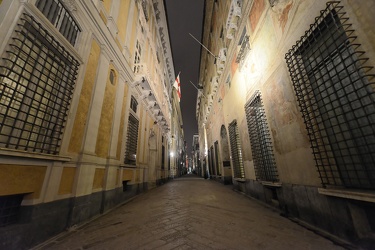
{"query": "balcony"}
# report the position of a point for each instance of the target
(221, 59)
(233, 15)
(244, 49)
(149, 94)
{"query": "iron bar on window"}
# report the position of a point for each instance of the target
(337, 99)
(260, 139)
(37, 77)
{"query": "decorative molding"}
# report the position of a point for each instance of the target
(71, 5)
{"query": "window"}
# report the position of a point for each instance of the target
(112, 77)
(144, 8)
(59, 16)
(162, 156)
(37, 77)
(132, 140)
(216, 144)
(137, 57)
(9, 208)
(336, 100)
(235, 148)
(260, 139)
(133, 104)
(244, 47)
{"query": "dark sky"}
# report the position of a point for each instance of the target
(184, 17)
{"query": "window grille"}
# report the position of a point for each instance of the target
(162, 156)
(9, 208)
(133, 104)
(217, 158)
(37, 77)
(132, 140)
(137, 57)
(144, 8)
(60, 17)
(235, 148)
(336, 99)
(210, 162)
(260, 139)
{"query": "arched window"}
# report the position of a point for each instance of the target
(112, 77)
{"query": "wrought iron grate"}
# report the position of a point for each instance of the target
(59, 16)
(216, 144)
(260, 139)
(9, 208)
(37, 77)
(132, 140)
(235, 148)
(244, 49)
(335, 92)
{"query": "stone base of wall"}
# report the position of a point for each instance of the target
(227, 180)
(40, 222)
(343, 220)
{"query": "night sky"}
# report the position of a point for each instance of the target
(184, 17)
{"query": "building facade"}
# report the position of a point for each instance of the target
(177, 137)
(287, 108)
(85, 111)
(197, 168)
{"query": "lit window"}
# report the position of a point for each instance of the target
(260, 140)
(336, 100)
(37, 77)
(235, 148)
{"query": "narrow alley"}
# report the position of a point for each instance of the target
(190, 213)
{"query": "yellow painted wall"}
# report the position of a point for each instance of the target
(20, 179)
(122, 19)
(76, 138)
(134, 32)
(122, 122)
(106, 117)
(127, 174)
(138, 176)
(67, 180)
(98, 178)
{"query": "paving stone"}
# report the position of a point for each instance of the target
(190, 213)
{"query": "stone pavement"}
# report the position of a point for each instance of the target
(190, 213)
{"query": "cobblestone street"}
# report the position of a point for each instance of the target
(190, 213)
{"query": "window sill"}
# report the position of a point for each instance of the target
(128, 166)
(271, 184)
(240, 179)
(25, 154)
(360, 195)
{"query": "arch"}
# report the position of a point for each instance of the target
(112, 77)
